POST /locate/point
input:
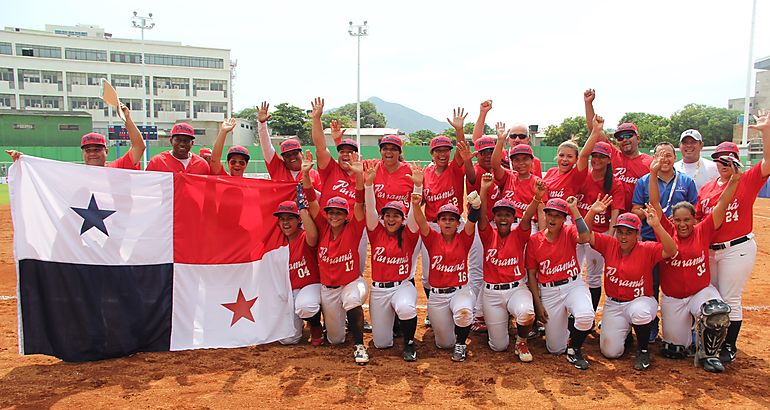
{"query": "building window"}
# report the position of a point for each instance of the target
(85, 54)
(5, 48)
(184, 61)
(69, 127)
(6, 74)
(199, 131)
(30, 50)
(5, 100)
(24, 126)
(125, 57)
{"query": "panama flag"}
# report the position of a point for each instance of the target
(112, 261)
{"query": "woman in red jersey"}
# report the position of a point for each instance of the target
(393, 243)
(301, 236)
(734, 250)
(344, 291)
(237, 156)
(450, 306)
(685, 280)
(505, 277)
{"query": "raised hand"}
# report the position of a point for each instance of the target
(486, 181)
(602, 203)
(227, 125)
(763, 123)
(458, 118)
(652, 216)
(540, 188)
(417, 174)
(356, 166)
(317, 108)
(262, 114)
(369, 175)
(416, 199)
(307, 162)
(598, 122)
(474, 199)
(572, 202)
(464, 150)
(655, 165)
(125, 110)
(502, 132)
(589, 95)
(486, 106)
(337, 131)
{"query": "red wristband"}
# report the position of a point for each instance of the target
(359, 196)
(310, 194)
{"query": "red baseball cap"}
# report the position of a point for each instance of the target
(183, 128)
(602, 148)
(348, 142)
(440, 142)
(237, 149)
(504, 203)
(287, 207)
(484, 143)
(625, 127)
(337, 202)
(393, 140)
(724, 147)
(93, 138)
(557, 204)
(395, 205)
(204, 151)
(521, 149)
(450, 209)
(290, 145)
(629, 220)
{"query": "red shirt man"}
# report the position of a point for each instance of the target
(179, 158)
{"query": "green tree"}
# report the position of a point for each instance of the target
(421, 137)
(344, 120)
(715, 124)
(468, 128)
(570, 128)
(652, 128)
(290, 120)
(370, 117)
(247, 113)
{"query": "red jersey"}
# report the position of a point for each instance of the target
(503, 257)
(564, 185)
(739, 218)
(688, 272)
(520, 191)
(627, 277)
(336, 182)
(589, 193)
(448, 261)
(338, 259)
(165, 162)
(124, 162)
(494, 193)
(446, 188)
(303, 263)
(278, 172)
(628, 171)
(395, 186)
(389, 262)
(555, 260)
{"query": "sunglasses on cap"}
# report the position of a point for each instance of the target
(625, 136)
(519, 136)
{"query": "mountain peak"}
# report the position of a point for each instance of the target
(405, 118)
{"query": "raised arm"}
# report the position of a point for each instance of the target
(474, 200)
(486, 183)
(311, 231)
(219, 145)
(669, 246)
(264, 132)
(419, 215)
(464, 157)
(337, 131)
(534, 206)
(718, 214)
(457, 122)
(585, 153)
(417, 180)
(137, 143)
(598, 207)
(317, 133)
(763, 126)
(499, 151)
(357, 167)
(588, 98)
(584, 234)
(307, 186)
(372, 219)
(653, 186)
(478, 128)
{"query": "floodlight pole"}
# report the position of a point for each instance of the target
(144, 23)
(358, 31)
(749, 75)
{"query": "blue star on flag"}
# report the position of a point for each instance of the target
(93, 217)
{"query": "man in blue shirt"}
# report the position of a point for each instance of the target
(674, 187)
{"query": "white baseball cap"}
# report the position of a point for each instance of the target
(694, 134)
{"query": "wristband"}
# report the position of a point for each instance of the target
(310, 194)
(474, 214)
(360, 196)
(417, 190)
(580, 223)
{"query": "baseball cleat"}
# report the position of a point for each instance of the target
(316, 335)
(522, 350)
(459, 353)
(361, 356)
(575, 356)
(642, 360)
(479, 326)
(713, 365)
(410, 352)
(367, 326)
(728, 353)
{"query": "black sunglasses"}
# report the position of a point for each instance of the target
(519, 136)
(622, 137)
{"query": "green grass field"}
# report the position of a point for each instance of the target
(4, 194)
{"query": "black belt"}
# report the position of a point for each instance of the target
(385, 284)
(617, 300)
(725, 245)
(559, 282)
(332, 287)
(446, 290)
(502, 286)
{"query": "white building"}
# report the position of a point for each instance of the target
(59, 69)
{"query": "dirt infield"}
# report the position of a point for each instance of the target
(324, 377)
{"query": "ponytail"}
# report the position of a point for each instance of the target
(608, 176)
(400, 236)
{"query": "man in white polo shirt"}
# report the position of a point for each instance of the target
(701, 170)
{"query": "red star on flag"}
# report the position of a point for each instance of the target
(241, 308)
